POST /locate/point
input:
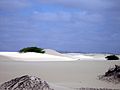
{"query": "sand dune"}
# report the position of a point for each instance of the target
(50, 55)
(31, 56)
(53, 52)
(61, 74)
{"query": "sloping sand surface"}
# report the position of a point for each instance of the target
(5, 58)
(50, 55)
(74, 74)
(53, 52)
(79, 56)
(32, 57)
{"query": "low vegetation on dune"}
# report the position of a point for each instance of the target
(112, 57)
(32, 49)
(112, 75)
(26, 82)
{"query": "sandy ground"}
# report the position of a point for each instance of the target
(15, 56)
(63, 74)
(50, 55)
(74, 74)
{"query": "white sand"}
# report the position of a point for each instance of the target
(50, 55)
(53, 52)
(62, 74)
(33, 57)
(79, 56)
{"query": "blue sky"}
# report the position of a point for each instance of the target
(64, 25)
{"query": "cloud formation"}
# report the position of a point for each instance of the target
(76, 25)
(82, 4)
(68, 17)
(13, 5)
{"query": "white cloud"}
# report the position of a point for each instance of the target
(68, 16)
(13, 5)
(52, 16)
(82, 4)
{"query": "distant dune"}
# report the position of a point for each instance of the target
(52, 52)
(50, 55)
(31, 56)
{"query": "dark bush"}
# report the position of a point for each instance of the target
(112, 57)
(112, 75)
(113, 71)
(32, 49)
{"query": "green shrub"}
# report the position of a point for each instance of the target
(112, 57)
(32, 49)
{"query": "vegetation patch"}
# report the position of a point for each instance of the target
(32, 49)
(26, 82)
(112, 57)
(112, 75)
